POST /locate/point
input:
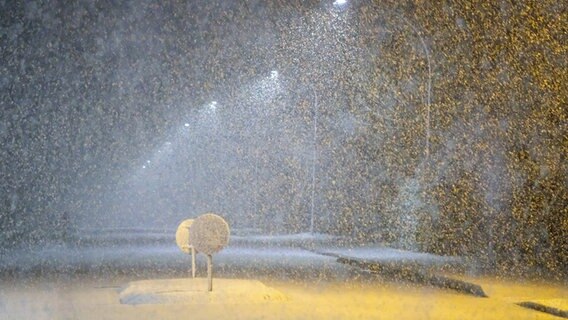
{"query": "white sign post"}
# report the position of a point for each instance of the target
(182, 240)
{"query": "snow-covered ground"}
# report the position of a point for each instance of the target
(382, 253)
(87, 281)
(99, 298)
(160, 259)
(193, 291)
(121, 251)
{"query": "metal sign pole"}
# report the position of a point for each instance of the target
(192, 262)
(209, 273)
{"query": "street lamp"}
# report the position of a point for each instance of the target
(267, 89)
(338, 3)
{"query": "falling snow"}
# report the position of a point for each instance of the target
(319, 130)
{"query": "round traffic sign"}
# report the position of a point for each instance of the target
(209, 233)
(182, 235)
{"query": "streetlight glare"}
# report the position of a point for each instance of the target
(186, 125)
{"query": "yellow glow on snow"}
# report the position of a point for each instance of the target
(324, 300)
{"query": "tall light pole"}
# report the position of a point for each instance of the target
(314, 161)
(268, 87)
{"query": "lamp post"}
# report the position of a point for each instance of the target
(268, 87)
(314, 161)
